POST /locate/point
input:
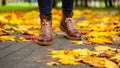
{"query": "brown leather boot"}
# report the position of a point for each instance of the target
(68, 27)
(46, 32)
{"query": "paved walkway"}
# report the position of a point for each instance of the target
(23, 55)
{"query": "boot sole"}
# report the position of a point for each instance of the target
(69, 37)
(44, 43)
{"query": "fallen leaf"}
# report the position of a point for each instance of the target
(52, 63)
(76, 42)
(39, 61)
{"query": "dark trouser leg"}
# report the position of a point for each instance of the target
(67, 7)
(45, 7)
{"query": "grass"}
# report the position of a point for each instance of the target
(18, 7)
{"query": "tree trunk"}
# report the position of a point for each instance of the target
(86, 4)
(106, 4)
(81, 4)
(54, 3)
(110, 3)
(29, 1)
(3, 2)
(76, 3)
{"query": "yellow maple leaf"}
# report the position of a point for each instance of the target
(110, 64)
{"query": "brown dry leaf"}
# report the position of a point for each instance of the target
(39, 61)
(4, 32)
(52, 63)
(88, 43)
(76, 42)
(31, 32)
(26, 33)
(83, 32)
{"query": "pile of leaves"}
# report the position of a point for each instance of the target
(102, 28)
(102, 56)
(98, 27)
(16, 24)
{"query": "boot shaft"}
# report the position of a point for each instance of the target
(46, 26)
(45, 21)
(67, 26)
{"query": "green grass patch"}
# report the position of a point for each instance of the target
(18, 7)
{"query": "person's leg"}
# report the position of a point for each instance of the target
(67, 7)
(45, 7)
(66, 22)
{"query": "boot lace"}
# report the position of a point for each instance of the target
(46, 27)
(70, 25)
